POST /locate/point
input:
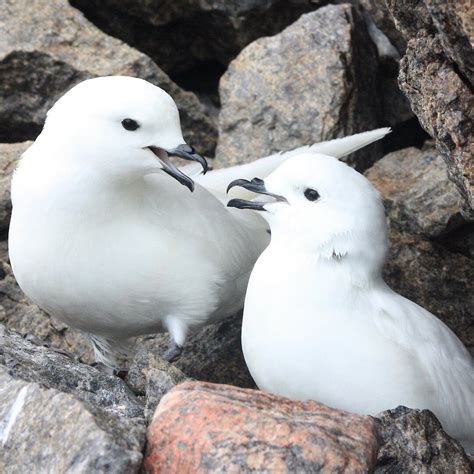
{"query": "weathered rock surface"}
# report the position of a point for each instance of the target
(214, 354)
(48, 46)
(179, 34)
(44, 430)
(53, 369)
(9, 156)
(314, 81)
(436, 75)
(414, 441)
(433, 277)
(416, 190)
(200, 427)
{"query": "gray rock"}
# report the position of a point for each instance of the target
(44, 430)
(53, 369)
(434, 277)
(414, 441)
(435, 74)
(417, 192)
(9, 155)
(214, 354)
(314, 81)
(48, 46)
(180, 34)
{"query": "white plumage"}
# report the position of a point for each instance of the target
(104, 240)
(319, 321)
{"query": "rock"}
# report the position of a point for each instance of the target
(434, 277)
(416, 190)
(181, 35)
(314, 81)
(436, 76)
(414, 441)
(44, 430)
(49, 46)
(214, 354)
(9, 156)
(17, 313)
(53, 369)
(201, 427)
(151, 377)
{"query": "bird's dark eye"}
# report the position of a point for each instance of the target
(311, 194)
(130, 124)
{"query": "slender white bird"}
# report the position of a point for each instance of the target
(103, 238)
(320, 322)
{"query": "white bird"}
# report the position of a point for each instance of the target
(320, 322)
(103, 238)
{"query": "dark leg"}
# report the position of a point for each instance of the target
(173, 352)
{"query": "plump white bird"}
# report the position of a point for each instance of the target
(319, 321)
(103, 238)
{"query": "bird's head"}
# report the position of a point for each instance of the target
(320, 204)
(124, 127)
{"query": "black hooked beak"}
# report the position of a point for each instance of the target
(183, 151)
(257, 186)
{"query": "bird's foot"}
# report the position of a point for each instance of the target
(173, 352)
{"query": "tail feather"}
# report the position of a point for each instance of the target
(216, 181)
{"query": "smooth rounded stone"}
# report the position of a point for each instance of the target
(416, 191)
(181, 34)
(53, 369)
(213, 354)
(414, 441)
(436, 78)
(434, 277)
(314, 81)
(38, 66)
(44, 430)
(201, 427)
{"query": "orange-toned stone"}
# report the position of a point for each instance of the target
(203, 427)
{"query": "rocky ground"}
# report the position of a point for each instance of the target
(250, 78)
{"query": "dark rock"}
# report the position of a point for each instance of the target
(416, 190)
(208, 428)
(214, 354)
(434, 277)
(188, 34)
(44, 430)
(9, 156)
(49, 47)
(414, 441)
(314, 81)
(436, 76)
(53, 369)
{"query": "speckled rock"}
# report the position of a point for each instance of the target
(53, 369)
(214, 354)
(414, 441)
(44, 430)
(436, 76)
(417, 192)
(47, 47)
(434, 277)
(201, 427)
(177, 35)
(314, 81)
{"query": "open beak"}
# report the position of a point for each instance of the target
(257, 186)
(183, 151)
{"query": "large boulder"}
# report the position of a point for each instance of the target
(414, 441)
(200, 427)
(180, 34)
(48, 46)
(45, 430)
(436, 74)
(313, 81)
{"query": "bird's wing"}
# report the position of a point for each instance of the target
(437, 349)
(217, 181)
